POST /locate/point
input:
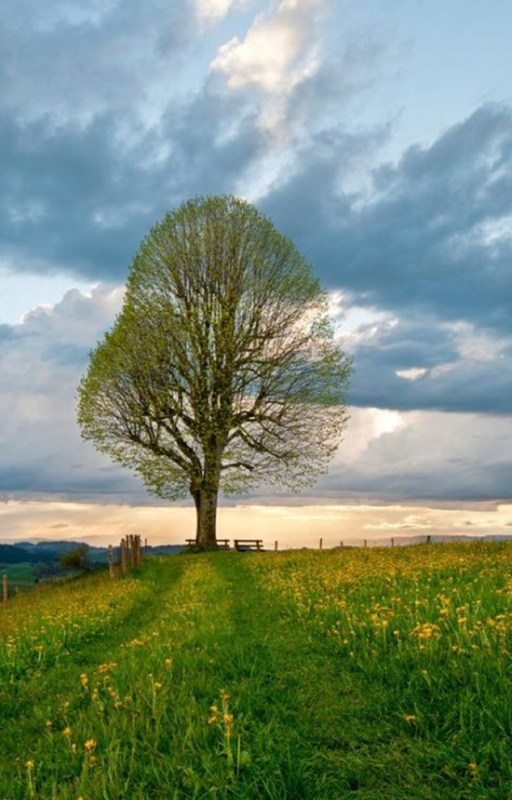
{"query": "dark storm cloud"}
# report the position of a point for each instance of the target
(75, 59)
(424, 365)
(102, 130)
(466, 387)
(37, 481)
(468, 482)
(204, 157)
(57, 181)
(434, 234)
(84, 176)
(406, 345)
(73, 198)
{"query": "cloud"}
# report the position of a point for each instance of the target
(425, 250)
(214, 10)
(63, 200)
(72, 60)
(388, 453)
(427, 456)
(428, 234)
(277, 51)
(41, 362)
(300, 525)
(282, 65)
(78, 199)
(89, 166)
(427, 364)
(120, 111)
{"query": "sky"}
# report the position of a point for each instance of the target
(377, 135)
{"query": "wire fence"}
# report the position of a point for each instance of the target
(405, 541)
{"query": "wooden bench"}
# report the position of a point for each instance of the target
(248, 544)
(222, 544)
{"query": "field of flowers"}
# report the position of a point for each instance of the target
(37, 630)
(429, 630)
(316, 675)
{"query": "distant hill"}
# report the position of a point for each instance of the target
(50, 552)
(165, 549)
(17, 554)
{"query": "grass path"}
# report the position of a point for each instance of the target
(330, 730)
(208, 688)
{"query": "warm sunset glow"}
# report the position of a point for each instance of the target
(291, 526)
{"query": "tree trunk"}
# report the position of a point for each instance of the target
(196, 494)
(206, 509)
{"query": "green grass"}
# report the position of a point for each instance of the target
(380, 674)
(18, 572)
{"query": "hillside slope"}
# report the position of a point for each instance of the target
(291, 675)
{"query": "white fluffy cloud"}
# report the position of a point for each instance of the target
(215, 10)
(41, 361)
(278, 51)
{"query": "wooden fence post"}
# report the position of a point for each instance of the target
(130, 552)
(123, 556)
(392, 542)
(276, 545)
(341, 544)
(366, 542)
(5, 586)
(321, 542)
(111, 561)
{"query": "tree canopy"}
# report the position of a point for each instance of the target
(222, 369)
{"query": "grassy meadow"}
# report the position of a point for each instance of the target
(18, 572)
(315, 675)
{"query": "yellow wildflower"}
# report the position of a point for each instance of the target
(105, 668)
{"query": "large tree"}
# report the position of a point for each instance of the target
(222, 370)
